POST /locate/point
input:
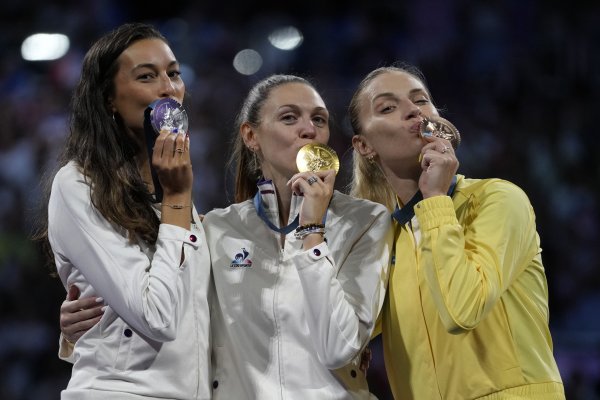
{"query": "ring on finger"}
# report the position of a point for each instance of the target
(179, 150)
(311, 180)
(445, 149)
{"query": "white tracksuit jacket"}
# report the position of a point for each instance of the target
(290, 323)
(153, 340)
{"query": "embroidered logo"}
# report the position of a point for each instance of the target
(241, 260)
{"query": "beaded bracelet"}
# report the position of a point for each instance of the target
(308, 226)
(305, 230)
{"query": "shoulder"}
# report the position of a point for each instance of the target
(235, 211)
(489, 186)
(344, 204)
(69, 179)
(68, 173)
(493, 191)
(343, 200)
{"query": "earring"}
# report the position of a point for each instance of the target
(371, 158)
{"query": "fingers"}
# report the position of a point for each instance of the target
(434, 148)
(73, 292)
(171, 149)
(74, 332)
(439, 164)
(78, 316)
(171, 159)
(310, 182)
(317, 189)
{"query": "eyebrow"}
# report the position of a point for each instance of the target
(393, 96)
(297, 108)
(151, 65)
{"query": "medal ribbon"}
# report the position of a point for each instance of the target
(405, 214)
(260, 210)
(258, 204)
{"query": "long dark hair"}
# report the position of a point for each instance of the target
(100, 145)
(247, 168)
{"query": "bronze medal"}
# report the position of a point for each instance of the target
(317, 157)
(442, 128)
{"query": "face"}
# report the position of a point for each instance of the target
(392, 107)
(293, 115)
(147, 71)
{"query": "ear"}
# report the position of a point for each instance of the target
(111, 106)
(361, 145)
(249, 137)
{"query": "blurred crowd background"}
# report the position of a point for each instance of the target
(519, 78)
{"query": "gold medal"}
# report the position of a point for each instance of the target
(317, 157)
(442, 128)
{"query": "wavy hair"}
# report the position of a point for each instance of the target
(100, 145)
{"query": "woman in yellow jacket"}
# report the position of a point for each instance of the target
(466, 315)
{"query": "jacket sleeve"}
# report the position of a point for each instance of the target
(143, 290)
(342, 300)
(469, 266)
(65, 350)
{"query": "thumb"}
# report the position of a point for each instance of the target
(329, 177)
(73, 293)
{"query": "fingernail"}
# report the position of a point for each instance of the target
(99, 299)
(103, 308)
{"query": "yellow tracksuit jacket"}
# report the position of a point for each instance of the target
(466, 315)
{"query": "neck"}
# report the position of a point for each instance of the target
(284, 197)
(405, 186)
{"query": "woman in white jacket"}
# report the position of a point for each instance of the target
(148, 261)
(300, 269)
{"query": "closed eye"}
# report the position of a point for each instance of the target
(289, 118)
(145, 77)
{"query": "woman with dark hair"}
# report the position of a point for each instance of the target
(466, 313)
(111, 239)
(299, 269)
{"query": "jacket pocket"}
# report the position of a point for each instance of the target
(121, 348)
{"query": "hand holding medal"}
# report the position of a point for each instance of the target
(317, 165)
(166, 115)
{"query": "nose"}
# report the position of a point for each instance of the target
(413, 111)
(308, 130)
(167, 87)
